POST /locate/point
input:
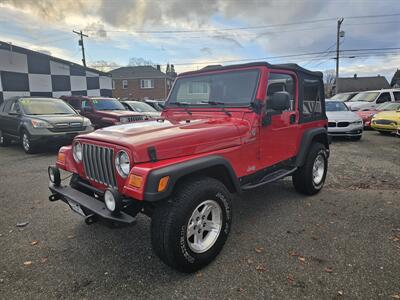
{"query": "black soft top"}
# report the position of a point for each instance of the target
(291, 67)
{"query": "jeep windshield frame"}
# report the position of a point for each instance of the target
(230, 88)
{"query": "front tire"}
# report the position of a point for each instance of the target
(190, 229)
(310, 178)
(27, 144)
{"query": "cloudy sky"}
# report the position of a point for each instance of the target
(194, 33)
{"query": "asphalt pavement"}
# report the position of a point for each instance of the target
(343, 243)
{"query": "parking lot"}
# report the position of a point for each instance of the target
(341, 243)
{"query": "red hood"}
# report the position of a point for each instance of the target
(366, 114)
(173, 139)
(115, 114)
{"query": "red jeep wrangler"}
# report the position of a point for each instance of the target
(103, 111)
(224, 130)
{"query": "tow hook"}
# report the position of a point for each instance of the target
(91, 219)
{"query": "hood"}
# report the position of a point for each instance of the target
(342, 116)
(60, 119)
(117, 113)
(389, 115)
(174, 139)
(153, 114)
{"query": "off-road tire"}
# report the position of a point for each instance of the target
(4, 141)
(303, 177)
(170, 221)
(30, 148)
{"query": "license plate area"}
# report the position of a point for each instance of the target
(76, 207)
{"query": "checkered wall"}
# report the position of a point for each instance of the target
(35, 74)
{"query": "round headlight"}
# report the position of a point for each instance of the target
(123, 164)
(77, 152)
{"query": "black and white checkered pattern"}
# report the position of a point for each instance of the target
(28, 73)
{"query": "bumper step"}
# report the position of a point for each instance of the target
(92, 204)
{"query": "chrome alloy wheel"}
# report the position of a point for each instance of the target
(204, 226)
(318, 169)
(25, 141)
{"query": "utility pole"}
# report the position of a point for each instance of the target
(82, 45)
(338, 34)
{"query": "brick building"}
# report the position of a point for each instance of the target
(141, 82)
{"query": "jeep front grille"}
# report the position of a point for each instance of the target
(98, 163)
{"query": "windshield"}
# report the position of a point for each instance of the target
(341, 97)
(141, 107)
(335, 106)
(107, 104)
(365, 96)
(41, 106)
(389, 106)
(230, 88)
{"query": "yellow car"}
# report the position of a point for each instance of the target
(386, 121)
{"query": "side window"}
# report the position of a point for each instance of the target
(396, 96)
(15, 107)
(384, 97)
(85, 104)
(75, 103)
(312, 97)
(7, 106)
(282, 83)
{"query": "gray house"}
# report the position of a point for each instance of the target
(358, 84)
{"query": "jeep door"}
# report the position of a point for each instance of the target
(278, 139)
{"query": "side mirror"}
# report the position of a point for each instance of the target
(279, 101)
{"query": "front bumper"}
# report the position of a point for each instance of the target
(46, 136)
(94, 206)
(349, 131)
(390, 127)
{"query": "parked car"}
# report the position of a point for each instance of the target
(235, 132)
(342, 121)
(156, 104)
(367, 114)
(371, 99)
(103, 111)
(344, 96)
(40, 121)
(141, 107)
(386, 121)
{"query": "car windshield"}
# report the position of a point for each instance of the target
(365, 97)
(389, 106)
(228, 88)
(335, 106)
(141, 107)
(341, 97)
(45, 107)
(107, 104)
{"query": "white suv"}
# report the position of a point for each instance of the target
(370, 99)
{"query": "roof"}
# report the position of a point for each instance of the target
(138, 72)
(291, 67)
(12, 47)
(359, 84)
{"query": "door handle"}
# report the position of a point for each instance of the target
(292, 119)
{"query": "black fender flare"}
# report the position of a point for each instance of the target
(319, 134)
(179, 170)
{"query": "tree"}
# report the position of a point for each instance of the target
(103, 66)
(139, 61)
(329, 77)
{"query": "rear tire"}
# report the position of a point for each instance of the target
(310, 178)
(4, 141)
(190, 229)
(27, 144)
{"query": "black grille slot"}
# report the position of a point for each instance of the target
(331, 124)
(98, 164)
(343, 124)
(384, 122)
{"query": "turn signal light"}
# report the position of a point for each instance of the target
(135, 181)
(163, 183)
(61, 157)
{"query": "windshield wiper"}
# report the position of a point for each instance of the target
(183, 104)
(211, 102)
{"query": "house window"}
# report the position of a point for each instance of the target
(124, 84)
(113, 84)
(146, 83)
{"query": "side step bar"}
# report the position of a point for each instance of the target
(269, 178)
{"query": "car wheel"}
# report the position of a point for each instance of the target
(4, 141)
(310, 178)
(27, 143)
(190, 229)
